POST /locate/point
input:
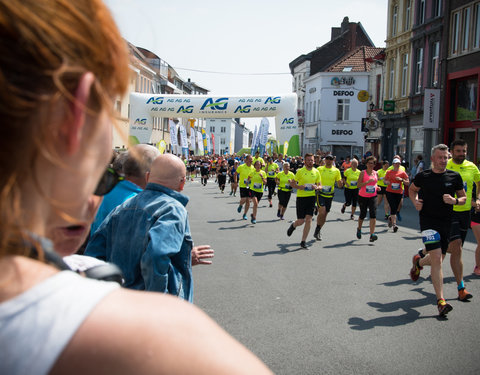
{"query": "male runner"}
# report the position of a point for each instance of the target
(461, 214)
(432, 193)
(329, 174)
(307, 181)
(243, 171)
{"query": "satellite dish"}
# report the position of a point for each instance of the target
(372, 124)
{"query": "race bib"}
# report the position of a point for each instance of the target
(224, 173)
(370, 189)
(287, 186)
(381, 178)
(326, 189)
(430, 236)
(395, 186)
(246, 181)
(271, 173)
(308, 187)
(257, 185)
(353, 183)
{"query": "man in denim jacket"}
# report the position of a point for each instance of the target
(148, 236)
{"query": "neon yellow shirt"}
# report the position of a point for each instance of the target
(283, 179)
(402, 168)
(352, 178)
(307, 178)
(256, 180)
(329, 176)
(244, 171)
(272, 170)
(259, 158)
(381, 176)
(470, 174)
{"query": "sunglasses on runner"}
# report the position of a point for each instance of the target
(107, 182)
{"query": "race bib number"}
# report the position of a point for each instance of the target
(395, 186)
(271, 173)
(257, 185)
(353, 183)
(430, 236)
(326, 189)
(308, 187)
(370, 189)
(288, 187)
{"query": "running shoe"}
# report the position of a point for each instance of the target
(303, 245)
(373, 237)
(443, 307)
(271, 205)
(352, 217)
(343, 209)
(463, 295)
(317, 235)
(239, 208)
(415, 270)
(281, 217)
(278, 213)
(386, 216)
(245, 217)
(290, 230)
(476, 270)
(399, 217)
(253, 220)
(395, 228)
(231, 192)
(359, 233)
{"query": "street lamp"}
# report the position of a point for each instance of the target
(372, 106)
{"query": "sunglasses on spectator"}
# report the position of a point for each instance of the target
(107, 182)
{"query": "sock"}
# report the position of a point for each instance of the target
(461, 286)
(420, 252)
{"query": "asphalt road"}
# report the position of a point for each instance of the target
(345, 306)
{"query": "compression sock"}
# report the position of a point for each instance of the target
(461, 286)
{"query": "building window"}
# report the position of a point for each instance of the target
(466, 28)
(314, 111)
(394, 20)
(222, 141)
(391, 79)
(318, 112)
(435, 65)
(466, 99)
(307, 113)
(476, 23)
(438, 8)
(343, 109)
(408, 9)
(454, 32)
(212, 129)
(404, 74)
(165, 124)
(421, 12)
(419, 71)
(223, 129)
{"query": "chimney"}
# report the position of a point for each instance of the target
(345, 24)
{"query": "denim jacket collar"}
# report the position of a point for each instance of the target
(183, 199)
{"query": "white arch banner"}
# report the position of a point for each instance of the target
(143, 107)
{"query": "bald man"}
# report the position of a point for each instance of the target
(148, 236)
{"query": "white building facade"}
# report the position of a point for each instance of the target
(223, 131)
(334, 111)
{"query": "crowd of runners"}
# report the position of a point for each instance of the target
(442, 195)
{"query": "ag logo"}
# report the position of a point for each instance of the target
(220, 104)
(271, 100)
(188, 109)
(157, 100)
(140, 121)
(244, 109)
(287, 120)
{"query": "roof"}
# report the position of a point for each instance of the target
(356, 60)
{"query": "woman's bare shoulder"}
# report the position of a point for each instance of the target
(146, 332)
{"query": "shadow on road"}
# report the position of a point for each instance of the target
(283, 249)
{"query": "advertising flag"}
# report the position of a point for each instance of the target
(254, 139)
(285, 148)
(173, 133)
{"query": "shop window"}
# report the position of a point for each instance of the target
(466, 99)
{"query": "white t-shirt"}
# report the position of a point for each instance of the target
(37, 325)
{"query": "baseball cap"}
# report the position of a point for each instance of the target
(396, 160)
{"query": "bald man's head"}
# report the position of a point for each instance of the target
(168, 170)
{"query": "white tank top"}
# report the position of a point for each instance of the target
(36, 326)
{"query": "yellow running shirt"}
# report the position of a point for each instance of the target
(244, 171)
(256, 180)
(307, 178)
(381, 176)
(329, 176)
(254, 159)
(470, 174)
(352, 178)
(272, 170)
(283, 179)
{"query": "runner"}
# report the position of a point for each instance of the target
(367, 197)
(383, 189)
(243, 171)
(284, 181)
(432, 193)
(256, 180)
(329, 175)
(307, 181)
(222, 175)
(205, 170)
(351, 188)
(403, 169)
(395, 180)
(475, 224)
(191, 167)
(258, 157)
(271, 170)
(232, 173)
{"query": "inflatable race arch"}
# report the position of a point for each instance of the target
(143, 107)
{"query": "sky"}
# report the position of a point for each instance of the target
(245, 42)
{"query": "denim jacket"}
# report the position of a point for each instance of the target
(148, 237)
